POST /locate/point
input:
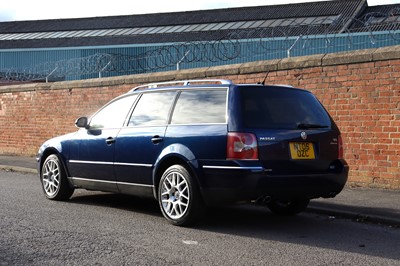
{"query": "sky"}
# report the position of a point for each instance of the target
(13, 10)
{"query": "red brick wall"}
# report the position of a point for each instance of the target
(27, 118)
(361, 90)
(364, 100)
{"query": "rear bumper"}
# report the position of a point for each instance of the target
(221, 185)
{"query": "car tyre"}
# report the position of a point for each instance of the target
(54, 179)
(179, 196)
(288, 208)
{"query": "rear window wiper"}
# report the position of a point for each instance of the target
(308, 126)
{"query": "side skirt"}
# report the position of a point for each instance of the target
(134, 189)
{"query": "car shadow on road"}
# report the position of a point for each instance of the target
(118, 201)
(255, 221)
(309, 229)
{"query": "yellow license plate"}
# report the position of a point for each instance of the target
(302, 150)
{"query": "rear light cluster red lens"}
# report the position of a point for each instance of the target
(340, 147)
(242, 146)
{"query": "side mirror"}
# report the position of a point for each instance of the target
(82, 122)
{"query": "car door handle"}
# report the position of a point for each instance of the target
(110, 140)
(156, 139)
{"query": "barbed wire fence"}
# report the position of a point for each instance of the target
(290, 37)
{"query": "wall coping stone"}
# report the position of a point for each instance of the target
(301, 62)
(259, 66)
(350, 57)
(386, 53)
(223, 70)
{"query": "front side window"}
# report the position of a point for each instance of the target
(152, 109)
(114, 114)
(200, 106)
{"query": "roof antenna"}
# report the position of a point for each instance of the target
(265, 78)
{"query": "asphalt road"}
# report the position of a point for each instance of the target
(95, 228)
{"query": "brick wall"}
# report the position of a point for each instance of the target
(360, 89)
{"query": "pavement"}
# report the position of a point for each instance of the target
(360, 204)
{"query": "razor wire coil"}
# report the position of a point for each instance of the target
(231, 46)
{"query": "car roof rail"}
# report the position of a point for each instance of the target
(283, 85)
(182, 83)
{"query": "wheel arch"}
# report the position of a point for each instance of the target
(173, 159)
(46, 153)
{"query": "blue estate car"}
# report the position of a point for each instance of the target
(191, 144)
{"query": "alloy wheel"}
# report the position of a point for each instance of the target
(51, 177)
(175, 195)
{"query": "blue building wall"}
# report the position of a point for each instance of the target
(90, 62)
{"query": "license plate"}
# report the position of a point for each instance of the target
(302, 150)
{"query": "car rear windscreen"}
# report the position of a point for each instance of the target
(282, 108)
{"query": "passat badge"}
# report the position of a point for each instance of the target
(267, 138)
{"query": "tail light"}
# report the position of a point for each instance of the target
(242, 146)
(340, 147)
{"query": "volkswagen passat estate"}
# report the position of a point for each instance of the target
(193, 144)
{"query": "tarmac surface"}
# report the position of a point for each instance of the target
(360, 204)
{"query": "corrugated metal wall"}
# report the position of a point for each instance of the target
(91, 62)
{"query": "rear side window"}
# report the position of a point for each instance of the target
(282, 108)
(200, 106)
(152, 109)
